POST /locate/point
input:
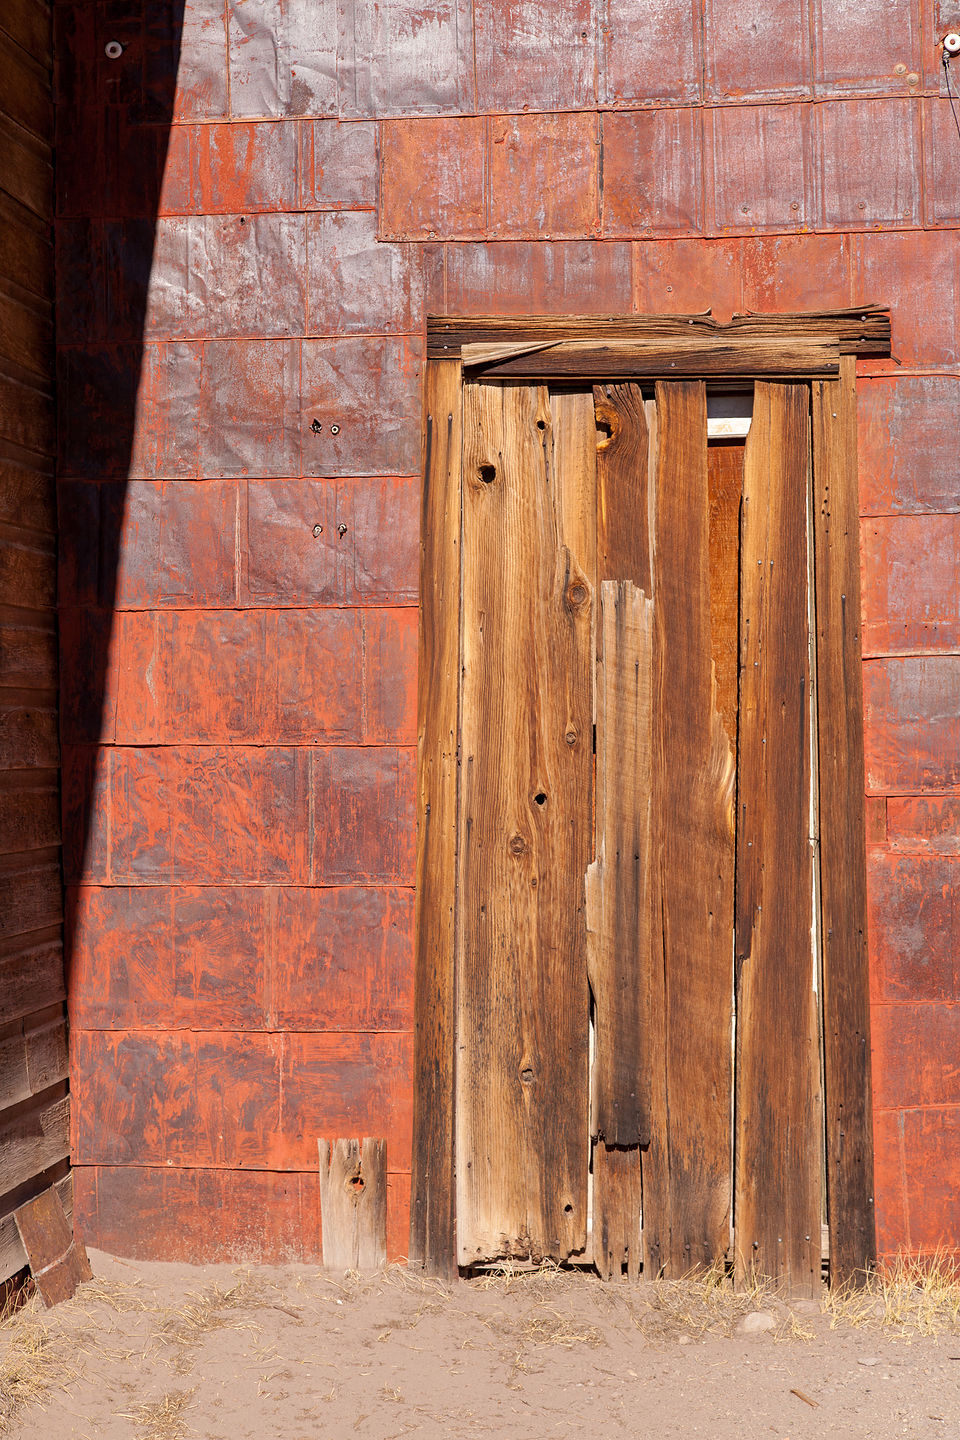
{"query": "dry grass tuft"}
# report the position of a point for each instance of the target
(33, 1360)
(163, 1419)
(551, 1327)
(705, 1302)
(910, 1296)
(216, 1309)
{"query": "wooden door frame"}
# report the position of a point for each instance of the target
(819, 348)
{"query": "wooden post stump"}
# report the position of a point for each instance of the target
(353, 1204)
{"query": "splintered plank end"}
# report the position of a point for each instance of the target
(353, 1204)
(58, 1261)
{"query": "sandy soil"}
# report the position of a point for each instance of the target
(160, 1352)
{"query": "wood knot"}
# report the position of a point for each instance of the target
(571, 736)
(608, 423)
(577, 595)
(517, 845)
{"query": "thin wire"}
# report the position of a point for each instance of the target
(950, 96)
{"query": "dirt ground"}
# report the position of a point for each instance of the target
(160, 1352)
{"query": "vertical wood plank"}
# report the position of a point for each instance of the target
(619, 879)
(525, 838)
(777, 1201)
(619, 949)
(725, 481)
(617, 1201)
(623, 534)
(618, 882)
(432, 1215)
(846, 1005)
(687, 1181)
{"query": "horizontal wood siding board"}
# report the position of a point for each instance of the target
(34, 1109)
(32, 1061)
(860, 330)
(727, 357)
(777, 1201)
(32, 1141)
(843, 886)
(432, 1223)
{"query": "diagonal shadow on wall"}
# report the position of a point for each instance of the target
(116, 90)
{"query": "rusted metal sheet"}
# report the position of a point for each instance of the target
(758, 162)
(283, 57)
(687, 276)
(544, 176)
(941, 194)
(560, 277)
(535, 57)
(650, 52)
(411, 57)
(924, 825)
(433, 179)
(364, 394)
(760, 51)
(241, 958)
(855, 193)
(911, 583)
(263, 1217)
(212, 1098)
(907, 444)
(652, 173)
(927, 1153)
(872, 49)
(337, 165)
(914, 927)
(238, 814)
(358, 284)
(794, 272)
(915, 1045)
(917, 268)
(912, 724)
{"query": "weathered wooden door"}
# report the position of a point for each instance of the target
(633, 999)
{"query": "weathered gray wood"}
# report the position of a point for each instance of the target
(353, 1204)
(30, 1143)
(58, 1261)
(846, 992)
(777, 1204)
(31, 980)
(432, 1243)
(32, 1060)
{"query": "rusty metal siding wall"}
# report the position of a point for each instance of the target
(242, 318)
